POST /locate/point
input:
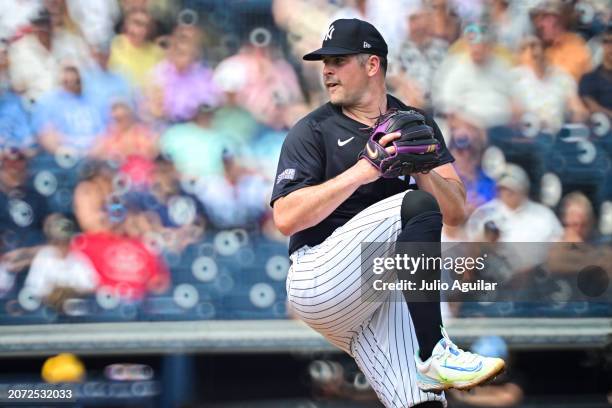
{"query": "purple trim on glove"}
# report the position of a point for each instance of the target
(417, 149)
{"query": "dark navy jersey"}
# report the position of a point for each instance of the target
(22, 214)
(324, 144)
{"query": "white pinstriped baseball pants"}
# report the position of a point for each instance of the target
(325, 289)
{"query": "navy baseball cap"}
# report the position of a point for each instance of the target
(350, 36)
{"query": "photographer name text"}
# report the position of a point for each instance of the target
(403, 285)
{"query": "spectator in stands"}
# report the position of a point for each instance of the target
(16, 17)
(124, 265)
(163, 207)
(444, 22)
(100, 205)
(562, 48)
(236, 198)
(137, 202)
(125, 137)
(508, 23)
(596, 86)
(419, 57)
(68, 43)
(195, 147)
(104, 88)
(578, 220)
(544, 90)
(475, 87)
(577, 217)
(132, 53)
(36, 58)
(235, 125)
(164, 15)
(95, 207)
(389, 16)
(119, 237)
(262, 82)
(34, 69)
(96, 20)
(15, 129)
(67, 117)
(22, 211)
(303, 21)
(517, 217)
(57, 273)
(180, 83)
(468, 10)
(467, 146)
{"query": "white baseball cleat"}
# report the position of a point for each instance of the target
(450, 367)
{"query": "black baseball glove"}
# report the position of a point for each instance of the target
(416, 151)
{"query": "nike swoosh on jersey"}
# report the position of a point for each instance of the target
(343, 142)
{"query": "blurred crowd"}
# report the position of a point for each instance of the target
(131, 130)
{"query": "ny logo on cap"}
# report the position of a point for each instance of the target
(329, 34)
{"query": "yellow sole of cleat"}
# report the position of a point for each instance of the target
(469, 385)
(482, 381)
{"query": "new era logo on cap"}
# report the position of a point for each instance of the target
(350, 36)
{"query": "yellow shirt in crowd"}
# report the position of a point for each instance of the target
(133, 62)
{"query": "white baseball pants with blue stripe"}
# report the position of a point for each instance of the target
(325, 289)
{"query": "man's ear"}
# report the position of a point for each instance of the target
(373, 65)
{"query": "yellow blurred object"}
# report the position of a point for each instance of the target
(461, 46)
(64, 367)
